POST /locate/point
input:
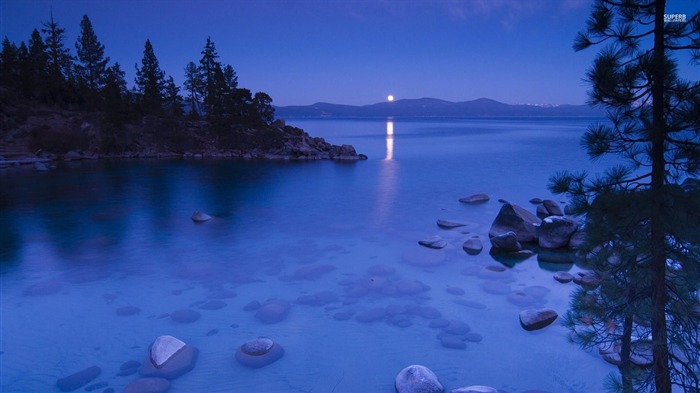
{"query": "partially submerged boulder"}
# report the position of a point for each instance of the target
(513, 218)
(556, 231)
(475, 198)
(259, 352)
(164, 348)
(472, 246)
(507, 242)
(200, 217)
(535, 319)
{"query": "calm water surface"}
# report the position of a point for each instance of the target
(96, 255)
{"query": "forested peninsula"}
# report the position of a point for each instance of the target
(55, 104)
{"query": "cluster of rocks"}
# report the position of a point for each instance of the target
(420, 379)
(168, 358)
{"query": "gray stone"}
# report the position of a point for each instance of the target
(563, 277)
(475, 198)
(536, 201)
(200, 217)
(417, 379)
(473, 246)
(535, 319)
(507, 242)
(72, 155)
(588, 280)
(435, 242)
(556, 231)
(513, 218)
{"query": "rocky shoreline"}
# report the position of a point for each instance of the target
(40, 139)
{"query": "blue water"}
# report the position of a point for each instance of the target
(80, 243)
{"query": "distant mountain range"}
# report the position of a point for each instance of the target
(432, 107)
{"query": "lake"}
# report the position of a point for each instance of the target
(98, 258)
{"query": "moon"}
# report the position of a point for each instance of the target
(390, 98)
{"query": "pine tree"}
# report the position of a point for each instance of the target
(264, 112)
(172, 98)
(210, 74)
(150, 80)
(60, 62)
(92, 63)
(641, 223)
(193, 84)
(9, 64)
(33, 69)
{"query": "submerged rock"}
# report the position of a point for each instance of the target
(77, 380)
(417, 379)
(506, 242)
(273, 311)
(475, 198)
(259, 352)
(563, 277)
(148, 385)
(536, 319)
(200, 217)
(475, 389)
(185, 315)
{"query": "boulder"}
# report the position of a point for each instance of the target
(472, 246)
(164, 348)
(553, 208)
(507, 242)
(475, 389)
(513, 218)
(435, 242)
(417, 379)
(577, 240)
(77, 380)
(259, 352)
(535, 319)
(72, 155)
(476, 198)
(555, 231)
(181, 362)
(148, 385)
(588, 280)
(200, 217)
(536, 201)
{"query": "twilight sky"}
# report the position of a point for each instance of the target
(348, 51)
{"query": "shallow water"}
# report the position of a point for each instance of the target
(97, 255)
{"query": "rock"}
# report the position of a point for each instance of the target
(434, 242)
(494, 272)
(642, 353)
(452, 342)
(556, 231)
(417, 379)
(455, 291)
(128, 310)
(588, 280)
(475, 389)
(536, 319)
(506, 242)
(563, 277)
(180, 363)
(273, 311)
(476, 198)
(577, 240)
(691, 184)
(472, 246)
(513, 218)
(148, 385)
(72, 155)
(40, 166)
(429, 312)
(213, 304)
(542, 212)
(521, 299)
(259, 352)
(371, 315)
(200, 217)
(185, 315)
(164, 348)
(77, 380)
(536, 201)
(552, 207)
(449, 224)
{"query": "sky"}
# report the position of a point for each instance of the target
(353, 52)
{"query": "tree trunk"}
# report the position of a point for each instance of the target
(625, 362)
(662, 378)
